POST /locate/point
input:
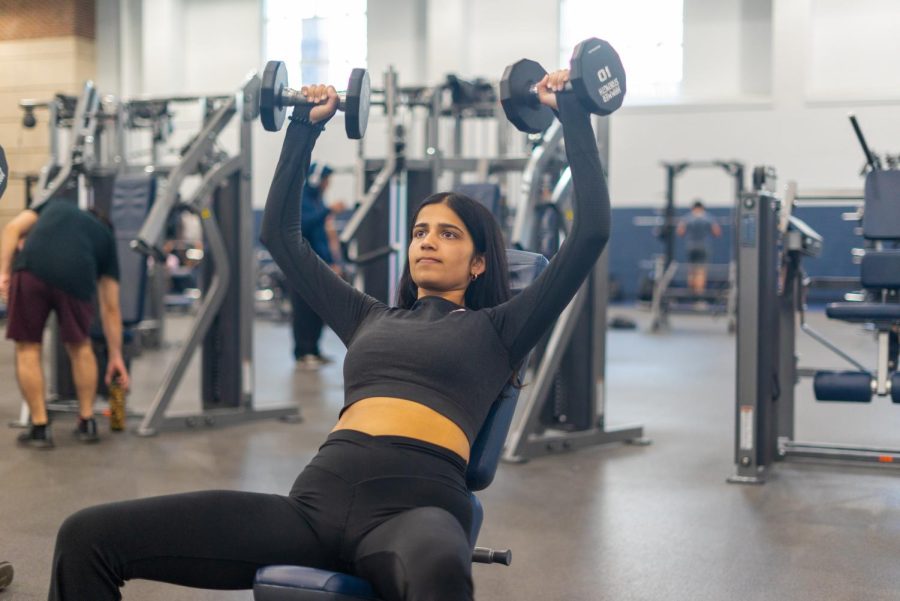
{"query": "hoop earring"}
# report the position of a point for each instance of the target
(474, 276)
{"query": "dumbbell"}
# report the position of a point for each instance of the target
(596, 76)
(4, 172)
(275, 97)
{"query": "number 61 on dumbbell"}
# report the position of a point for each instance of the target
(275, 97)
(596, 76)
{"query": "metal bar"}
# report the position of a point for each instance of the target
(210, 306)
(817, 450)
(659, 314)
(828, 344)
(871, 159)
(152, 231)
(369, 199)
(527, 419)
(219, 417)
(83, 124)
(540, 156)
(883, 376)
(549, 442)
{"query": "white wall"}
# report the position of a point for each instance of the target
(855, 49)
(806, 139)
(222, 44)
(163, 53)
(760, 74)
(711, 49)
(109, 59)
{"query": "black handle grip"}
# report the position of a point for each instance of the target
(483, 555)
(871, 159)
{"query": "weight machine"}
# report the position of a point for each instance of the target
(224, 321)
(772, 243)
(666, 298)
(563, 408)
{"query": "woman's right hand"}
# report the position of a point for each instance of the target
(327, 96)
(550, 85)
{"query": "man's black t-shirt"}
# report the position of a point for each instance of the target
(69, 249)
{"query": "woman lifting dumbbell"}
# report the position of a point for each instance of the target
(385, 498)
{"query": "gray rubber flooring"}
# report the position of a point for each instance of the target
(617, 523)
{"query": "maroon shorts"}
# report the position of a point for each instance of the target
(30, 302)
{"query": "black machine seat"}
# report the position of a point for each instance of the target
(880, 276)
(864, 312)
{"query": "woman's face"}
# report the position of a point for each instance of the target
(441, 252)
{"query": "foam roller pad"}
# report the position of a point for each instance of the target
(846, 386)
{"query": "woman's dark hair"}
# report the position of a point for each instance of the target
(492, 287)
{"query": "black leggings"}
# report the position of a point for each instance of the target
(392, 510)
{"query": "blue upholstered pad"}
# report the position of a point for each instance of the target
(881, 268)
(847, 386)
(524, 268)
(881, 219)
(895, 387)
(132, 197)
(486, 194)
(863, 312)
(340, 586)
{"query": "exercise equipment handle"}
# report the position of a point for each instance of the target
(871, 159)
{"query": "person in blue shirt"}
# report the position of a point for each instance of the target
(697, 228)
(318, 230)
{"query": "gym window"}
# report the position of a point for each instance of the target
(320, 41)
(648, 35)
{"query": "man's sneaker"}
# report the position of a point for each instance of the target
(37, 437)
(6, 574)
(87, 430)
(309, 363)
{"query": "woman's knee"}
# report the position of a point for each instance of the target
(437, 557)
(421, 555)
(82, 529)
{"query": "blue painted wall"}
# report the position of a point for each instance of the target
(632, 248)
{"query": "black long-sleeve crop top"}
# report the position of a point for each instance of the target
(444, 356)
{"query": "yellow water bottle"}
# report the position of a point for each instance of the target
(116, 401)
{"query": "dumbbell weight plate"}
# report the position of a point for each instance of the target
(597, 76)
(519, 103)
(274, 81)
(356, 104)
(4, 172)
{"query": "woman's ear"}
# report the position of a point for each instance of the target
(478, 265)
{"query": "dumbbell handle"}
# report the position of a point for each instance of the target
(292, 97)
(566, 88)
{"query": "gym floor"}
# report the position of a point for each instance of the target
(618, 523)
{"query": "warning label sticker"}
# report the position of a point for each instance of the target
(746, 428)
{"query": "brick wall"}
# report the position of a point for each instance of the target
(30, 19)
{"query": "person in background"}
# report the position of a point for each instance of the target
(697, 228)
(68, 258)
(317, 227)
